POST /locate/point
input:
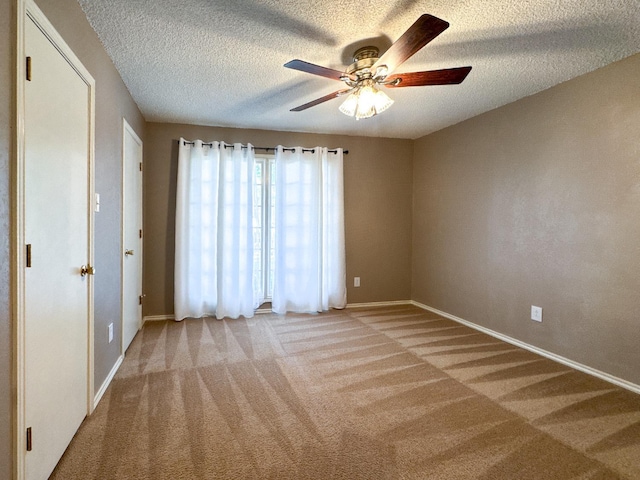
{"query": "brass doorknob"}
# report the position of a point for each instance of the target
(87, 270)
(128, 252)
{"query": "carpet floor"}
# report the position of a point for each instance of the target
(366, 393)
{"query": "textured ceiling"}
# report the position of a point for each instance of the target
(220, 63)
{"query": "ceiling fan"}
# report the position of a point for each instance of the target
(369, 71)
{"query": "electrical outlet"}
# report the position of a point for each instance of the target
(110, 330)
(356, 281)
(536, 313)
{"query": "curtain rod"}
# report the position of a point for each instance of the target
(210, 144)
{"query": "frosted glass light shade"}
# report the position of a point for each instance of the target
(362, 112)
(382, 101)
(366, 98)
(350, 105)
(366, 102)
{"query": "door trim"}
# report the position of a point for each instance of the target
(28, 9)
(126, 128)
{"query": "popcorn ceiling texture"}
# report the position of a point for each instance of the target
(221, 62)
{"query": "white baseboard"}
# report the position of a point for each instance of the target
(161, 318)
(550, 355)
(380, 304)
(107, 381)
(157, 318)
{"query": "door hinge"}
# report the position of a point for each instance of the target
(140, 299)
(29, 442)
(140, 166)
(28, 69)
(28, 255)
(140, 233)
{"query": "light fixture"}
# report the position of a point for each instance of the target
(365, 100)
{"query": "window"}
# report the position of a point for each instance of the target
(300, 268)
(264, 232)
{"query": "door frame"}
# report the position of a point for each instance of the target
(28, 9)
(127, 129)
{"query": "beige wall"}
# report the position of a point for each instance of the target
(538, 203)
(377, 208)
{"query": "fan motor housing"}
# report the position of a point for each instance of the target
(363, 60)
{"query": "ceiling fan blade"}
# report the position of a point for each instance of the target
(320, 100)
(448, 76)
(314, 69)
(425, 29)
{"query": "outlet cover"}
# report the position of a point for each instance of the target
(356, 281)
(536, 313)
(110, 332)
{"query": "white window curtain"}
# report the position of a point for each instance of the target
(310, 272)
(214, 231)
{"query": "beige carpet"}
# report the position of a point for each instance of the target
(375, 393)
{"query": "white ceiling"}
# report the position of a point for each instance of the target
(220, 62)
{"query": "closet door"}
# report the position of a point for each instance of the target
(132, 235)
(57, 277)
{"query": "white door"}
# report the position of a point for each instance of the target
(132, 235)
(57, 305)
